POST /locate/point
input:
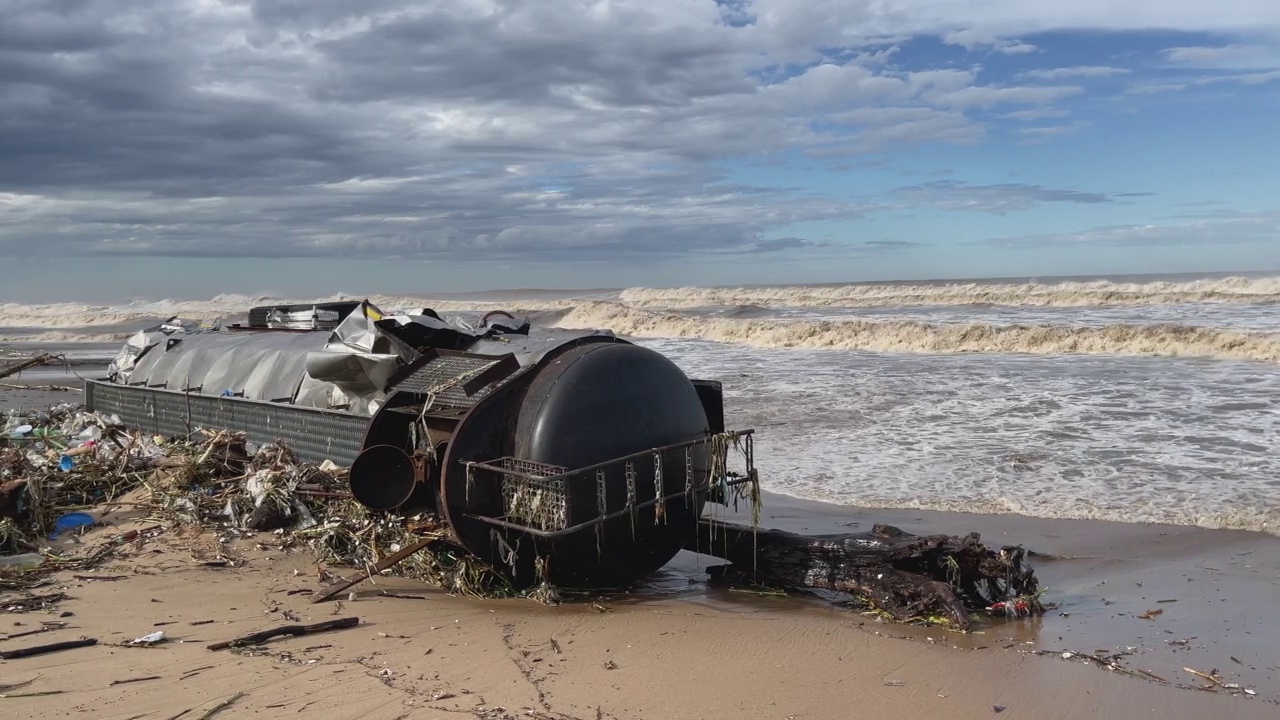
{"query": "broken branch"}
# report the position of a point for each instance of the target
(386, 563)
(25, 364)
(261, 637)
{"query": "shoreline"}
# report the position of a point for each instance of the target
(1211, 588)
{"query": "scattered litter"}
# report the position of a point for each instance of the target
(31, 603)
(1206, 676)
(55, 464)
(1153, 676)
(150, 639)
(1151, 614)
(22, 562)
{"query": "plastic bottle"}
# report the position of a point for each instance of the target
(22, 562)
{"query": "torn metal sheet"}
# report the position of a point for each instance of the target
(346, 368)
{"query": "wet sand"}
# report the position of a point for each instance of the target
(435, 656)
(1215, 590)
(677, 648)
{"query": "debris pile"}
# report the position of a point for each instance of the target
(56, 464)
(934, 579)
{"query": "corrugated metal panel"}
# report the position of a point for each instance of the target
(315, 435)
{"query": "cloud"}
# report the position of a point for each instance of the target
(1213, 229)
(998, 199)
(1155, 88)
(985, 38)
(1036, 114)
(890, 245)
(436, 130)
(1226, 57)
(985, 97)
(787, 243)
(490, 128)
(1212, 65)
(1079, 71)
(1036, 135)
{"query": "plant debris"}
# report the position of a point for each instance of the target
(66, 460)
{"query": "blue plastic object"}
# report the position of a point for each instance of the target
(70, 521)
(66, 462)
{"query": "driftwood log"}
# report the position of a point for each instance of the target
(43, 649)
(907, 576)
(286, 630)
(18, 367)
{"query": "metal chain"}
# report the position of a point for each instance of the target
(688, 470)
(631, 484)
(660, 508)
(601, 486)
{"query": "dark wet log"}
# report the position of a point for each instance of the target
(43, 649)
(906, 576)
(261, 637)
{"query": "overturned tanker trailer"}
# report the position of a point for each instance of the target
(577, 458)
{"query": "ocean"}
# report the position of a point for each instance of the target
(1137, 399)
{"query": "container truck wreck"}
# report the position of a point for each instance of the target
(575, 459)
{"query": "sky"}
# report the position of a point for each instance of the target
(186, 148)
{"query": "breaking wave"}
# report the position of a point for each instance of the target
(919, 337)
(1063, 294)
(137, 315)
(58, 336)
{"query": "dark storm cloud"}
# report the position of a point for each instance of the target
(550, 129)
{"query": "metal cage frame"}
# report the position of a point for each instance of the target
(557, 482)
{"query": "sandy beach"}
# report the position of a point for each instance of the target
(677, 647)
(662, 652)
